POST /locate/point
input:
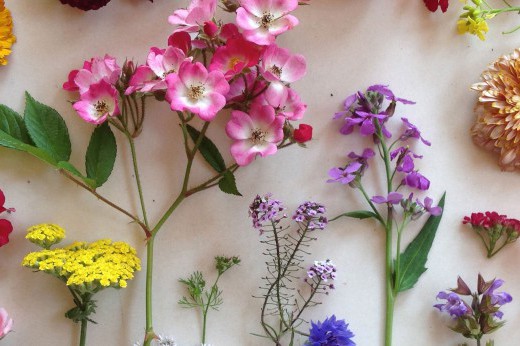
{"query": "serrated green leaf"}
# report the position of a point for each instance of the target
(12, 123)
(13, 143)
(208, 150)
(413, 259)
(47, 129)
(228, 184)
(101, 154)
(73, 170)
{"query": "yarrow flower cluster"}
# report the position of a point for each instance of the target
(494, 229)
(45, 235)
(496, 127)
(311, 213)
(330, 332)
(6, 227)
(479, 317)
(265, 211)
(6, 33)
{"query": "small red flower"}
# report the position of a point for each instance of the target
(303, 133)
(433, 5)
(5, 229)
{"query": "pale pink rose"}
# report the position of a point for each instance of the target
(6, 323)
(197, 13)
(195, 89)
(98, 103)
(290, 105)
(254, 133)
(263, 20)
(234, 56)
(96, 70)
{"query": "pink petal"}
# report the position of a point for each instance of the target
(294, 68)
(246, 20)
(283, 24)
(192, 73)
(275, 93)
(243, 152)
(208, 108)
(239, 126)
(216, 82)
(256, 7)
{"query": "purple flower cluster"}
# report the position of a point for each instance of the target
(324, 270)
(264, 210)
(454, 305)
(330, 332)
(499, 298)
(312, 214)
(354, 169)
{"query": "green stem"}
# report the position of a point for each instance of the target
(83, 336)
(478, 342)
(501, 10)
(150, 334)
(137, 177)
(390, 297)
(206, 309)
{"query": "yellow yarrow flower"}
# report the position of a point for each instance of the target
(45, 235)
(88, 268)
(6, 33)
(477, 26)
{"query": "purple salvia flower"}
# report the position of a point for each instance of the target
(412, 132)
(312, 214)
(324, 270)
(265, 210)
(416, 180)
(499, 298)
(392, 198)
(455, 306)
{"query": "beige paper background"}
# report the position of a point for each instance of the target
(349, 45)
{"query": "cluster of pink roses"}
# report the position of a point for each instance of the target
(209, 66)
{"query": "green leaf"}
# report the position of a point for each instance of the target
(208, 150)
(413, 259)
(47, 129)
(67, 166)
(228, 184)
(13, 143)
(101, 154)
(359, 214)
(12, 123)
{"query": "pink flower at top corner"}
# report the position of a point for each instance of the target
(197, 13)
(6, 323)
(281, 67)
(93, 71)
(263, 20)
(98, 103)
(254, 133)
(195, 89)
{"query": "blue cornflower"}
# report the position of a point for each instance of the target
(330, 332)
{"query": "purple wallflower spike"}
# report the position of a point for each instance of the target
(417, 180)
(330, 332)
(499, 298)
(392, 198)
(344, 175)
(388, 94)
(427, 205)
(412, 132)
(367, 127)
(454, 305)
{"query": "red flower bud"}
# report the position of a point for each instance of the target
(210, 28)
(303, 133)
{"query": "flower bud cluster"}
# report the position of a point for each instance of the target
(311, 213)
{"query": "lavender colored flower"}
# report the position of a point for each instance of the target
(416, 180)
(345, 175)
(499, 298)
(392, 198)
(412, 132)
(265, 210)
(427, 205)
(405, 158)
(324, 270)
(454, 305)
(312, 213)
(330, 332)
(389, 95)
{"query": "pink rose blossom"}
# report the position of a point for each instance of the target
(197, 13)
(181, 40)
(98, 103)
(94, 71)
(280, 67)
(160, 63)
(6, 323)
(240, 86)
(263, 20)
(236, 55)
(289, 105)
(197, 90)
(254, 133)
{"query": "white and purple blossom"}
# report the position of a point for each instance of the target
(312, 214)
(322, 270)
(265, 210)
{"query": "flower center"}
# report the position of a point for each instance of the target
(277, 71)
(266, 20)
(101, 108)
(196, 92)
(258, 136)
(233, 62)
(172, 70)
